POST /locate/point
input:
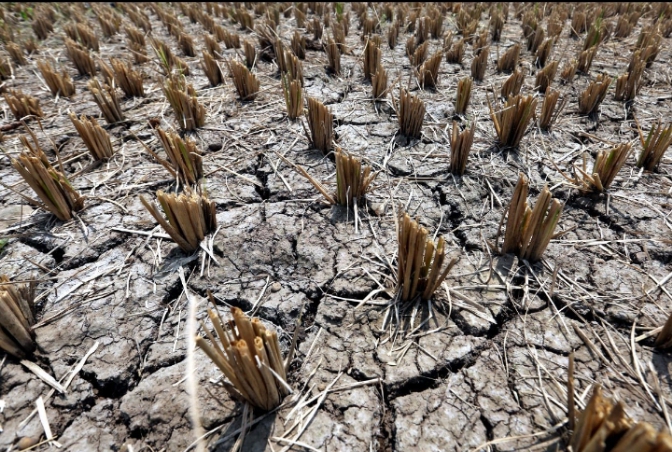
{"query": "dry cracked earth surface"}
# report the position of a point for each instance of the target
(483, 366)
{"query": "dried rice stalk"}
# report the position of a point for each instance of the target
(372, 56)
(379, 83)
(512, 120)
(83, 34)
(250, 54)
(298, 45)
(594, 94)
(606, 167)
(16, 53)
(419, 55)
(654, 146)
(22, 105)
(544, 51)
(211, 69)
(463, 95)
(456, 53)
(59, 84)
(321, 124)
(134, 35)
(246, 83)
(512, 85)
(507, 62)
(353, 181)
(42, 26)
(628, 85)
(107, 101)
(190, 114)
(460, 147)
(80, 58)
(428, 74)
(569, 71)
(586, 59)
(212, 46)
(549, 114)
(479, 64)
(187, 44)
(51, 186)
(249, 356)
(419, 261)
(528, 232)
(129, 80)
(183, 155)
(190, 217)
(545, 76)
(293, 97)
(96, 139)
(16, 318)
(411, 114)
(333, 57)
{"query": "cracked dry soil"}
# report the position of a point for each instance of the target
(487, 368)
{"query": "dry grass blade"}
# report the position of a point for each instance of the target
(190, 114)
(183, 155)
(512, 120)
(16, 318)
(211, 69)
(246, 83)
(569, 71)
(512, 85)
(107, 101)
(529, 231)
(594, 94)
(606, 167)
(411, 114)
(353, 181)
(586, 59)
(654, 146)
(456, 53)
(549, 114)
(463, 95)
(372, 56)
(545, 76)
(96, 139)
(80, 58)
(379, 83)
(129, 80)
(460, 147)
(51, 186)
(293, 97)
(507, 62)
(419, 261)
(428, 74)
(16, 52)
(23, 105)
(321, 124)
(479, 64)
(190, 217)
(249, 356)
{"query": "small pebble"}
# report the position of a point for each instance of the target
(275, 287)
(26, 442)
(214, 147)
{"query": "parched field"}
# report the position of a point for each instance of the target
(483, 364)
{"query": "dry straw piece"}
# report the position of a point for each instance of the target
(96, 139)
(107, 101)
(372, 56)
(211, 69)
(629, 84)
(512, 120)
(293, 97)
(460, 147)
(185, 161)
(512, 85)
(456, 53)
(250, 54)
(212, 46)
(190, 217)
(549, 114)
(128, 79)
(190, 114)
(419, 261)
(298, 45)
(569, 71)
(59, 84)
(529, 231)
(80, 58)
(249, 356)
(83, 34)
(16, 52)
(379, 83)
(545, 76)
(606, 167)
(52, 187)
(507, 62)
(333, 57)
(411, 114)
(544, 51)
(463, 95)
(654, 146)
(16, 318)
(594, 94)
(479, 64)
(353, 181)
(586, 59)
(22, 105)
(428, 74)
(321, 124)
(246, 83)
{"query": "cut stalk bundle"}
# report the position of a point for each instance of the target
(545, 76)
(535, 39)
(30, 46)
(167, 59)
(569, 71)
(96, 139)
(664, 338)
(606, 167)
(496, 25)
(134, 35)
(578, 25)
(393, 35)
(321, 124)
(594, 94)
(411, 114)
(543, 52)
(372, 56)
(80, 58)
(190, 217)
(419, 261)
(51, 186)
(586, 59)
(186, 162)
(529, 231)
(298, 45)
(512, 85)
(436, 25)
(187, 44)
(300, 17)
(59, 84)
(16, 53)
(419, 55)
(23, 105)
(129, 80)
(246, 83)
(549, 114)
(107, 72)
(231, 40)
(42, 26)
(512, 120)
(17, 303)
(333, 57)
(379, 83)
(460, 146)
(456, 52)
(189, 113)
(479, 64)
(250, 54)
(422, 30)
(605, 426)
(628, 85)
(212, 46)
(211, 69)
(623, 27)
(293, 96)
(554, 26)
(109, 22)
(507, 62)
(249, 356)
(480, 42)
(428, 74)
(107, 101)
(139, 53)
(83, 34)
(338, 34)
(293, 67)
(353, 181)
(594, 36)
(463, 95)
(654, 146)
